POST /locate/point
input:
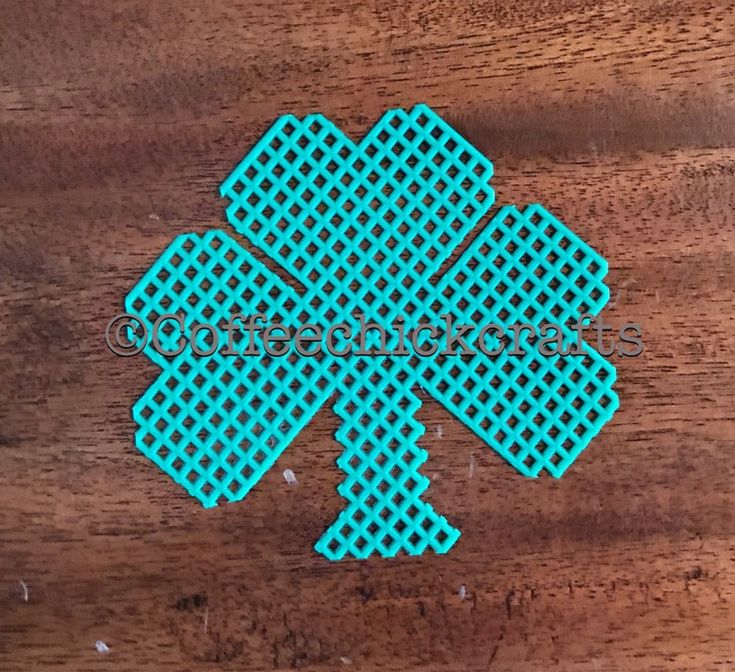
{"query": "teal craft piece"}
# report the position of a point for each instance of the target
(365, 228)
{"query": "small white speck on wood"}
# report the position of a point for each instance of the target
(290, 477)
(462, 592)
(24, 588)
(101, 647)
(439, 431)
(472, 465)
(345, 660)
(205, 625)
(153, 215)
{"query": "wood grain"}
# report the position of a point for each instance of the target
(118, 120)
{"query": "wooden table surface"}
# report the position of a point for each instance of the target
(118, 121)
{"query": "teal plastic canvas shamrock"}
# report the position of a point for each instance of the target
(365, 228)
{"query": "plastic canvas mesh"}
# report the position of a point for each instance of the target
(364, 227)
(538, 412)
(216, 424)
(382, 459)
